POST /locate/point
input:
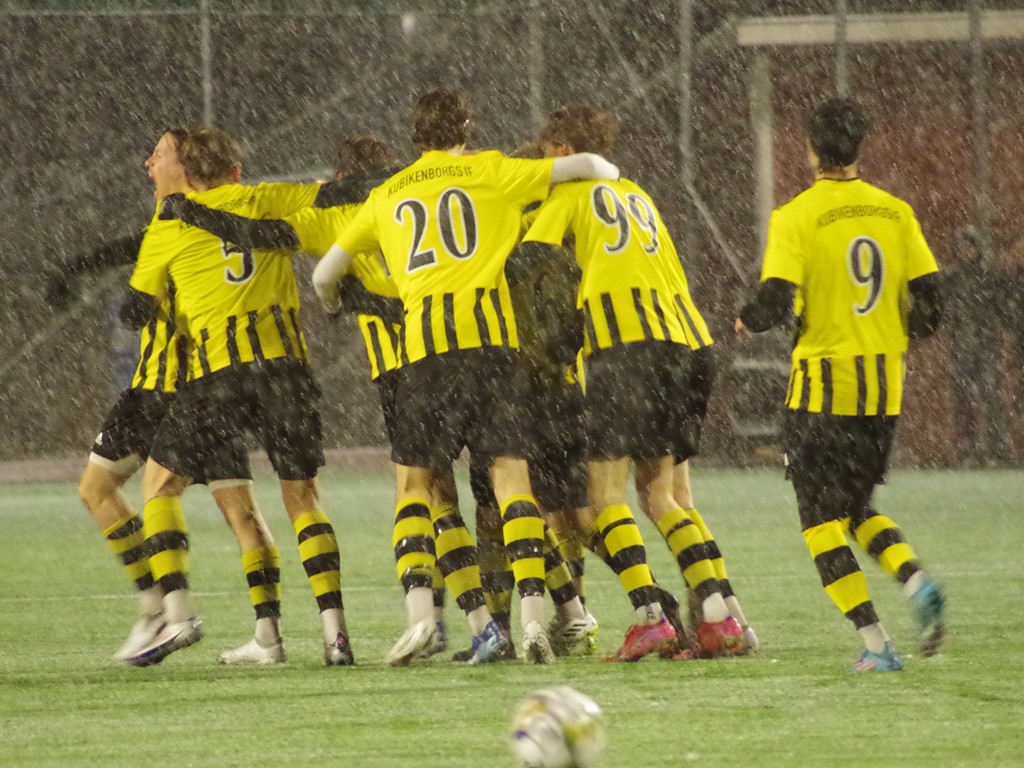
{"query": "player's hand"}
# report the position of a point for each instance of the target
(172, 206)
(741, 330)
(330, 300)
(57, 291)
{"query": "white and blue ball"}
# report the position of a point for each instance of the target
(557, 727)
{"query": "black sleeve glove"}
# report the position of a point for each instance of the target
(925, 305)
(524, 258)
(355, 298)
(352, 189)
(57, 290)
(58, 282)
(239, 230)
(770, 306)
(138, 309)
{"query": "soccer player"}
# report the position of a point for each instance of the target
(371, 293)
(849, 257)
(248, 376)
(130, 425)
(640, 325)
(446, 225)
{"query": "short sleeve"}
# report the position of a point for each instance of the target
(783, 256)
(920, 259)
(552, 221)
(151, 273)
(524, 181)
(361, 234)
(280, 199)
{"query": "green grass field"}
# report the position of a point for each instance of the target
(65, 606)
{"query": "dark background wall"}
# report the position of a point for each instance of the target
(84, 96)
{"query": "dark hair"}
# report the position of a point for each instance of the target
(209, 154)
(529, 150)
(179, 133)
(441, 119)
(362, 153)
(581, 127)
(836, 129)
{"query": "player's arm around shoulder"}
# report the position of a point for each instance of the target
(583, 165)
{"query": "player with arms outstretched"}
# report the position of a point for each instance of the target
(249, 375)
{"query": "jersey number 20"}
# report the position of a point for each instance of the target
(456, 223)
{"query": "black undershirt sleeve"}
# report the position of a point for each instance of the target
(355, 298)
(239, 230)
(138, 309)
(925, 306)
(121, 252)
(770, 306)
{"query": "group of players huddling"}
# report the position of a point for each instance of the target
(533, 311)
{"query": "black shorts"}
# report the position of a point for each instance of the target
(275, 403)
(835, 462)
(387, 385)
(475, 399)
(637, 402)
(698, 395)
(557, 456)
(132, 424)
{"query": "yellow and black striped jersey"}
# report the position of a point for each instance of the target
(851, 249)
(163, 350)
(240, 306)
(317, 229)
(633, 287)
(446, 225)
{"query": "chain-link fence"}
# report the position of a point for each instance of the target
(712, 97)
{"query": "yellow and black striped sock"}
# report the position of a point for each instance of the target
(166, 542)
(717, 561)
(496, 575)
(626, 553)
(413, 541)
(557, 578)
(841, 576)
(127, 540)
(881, 538)
(437, 584)
(571, 548)
(263, 573)
(685, 541)
(523, 530)
(457, 557)
(318, 551)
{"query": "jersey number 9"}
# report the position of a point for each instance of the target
(866, 266)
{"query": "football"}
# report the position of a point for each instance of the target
(557, 728)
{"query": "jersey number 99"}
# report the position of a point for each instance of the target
(613, 211)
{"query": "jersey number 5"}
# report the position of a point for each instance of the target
(455, 221)
(232, 273)
(866, 266)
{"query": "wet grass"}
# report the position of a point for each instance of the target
(64, 608)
